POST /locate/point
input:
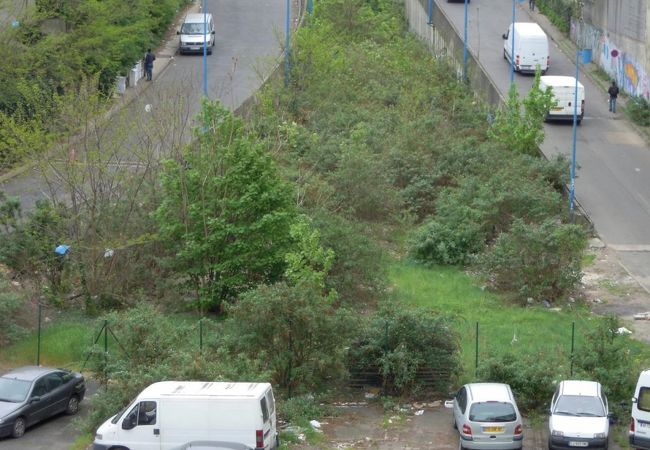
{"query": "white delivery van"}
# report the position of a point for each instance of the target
(531, 47)
(192, 34)
(564, 89)
(639, 434)
(178, 415)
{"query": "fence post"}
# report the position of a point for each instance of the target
(38, 339)
(476, 353)
(573, 337)
(201, 335)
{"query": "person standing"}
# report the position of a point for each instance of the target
(149, 58)
(613, 93)
(531, 5)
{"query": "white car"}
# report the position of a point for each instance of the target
(487, 417)
(579, 416)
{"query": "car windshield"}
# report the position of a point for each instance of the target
(192, 28)
(13, 390)
(492, 412)
(579, 405)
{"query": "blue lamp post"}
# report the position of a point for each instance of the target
(205, 51)
(430, 22)
(310, 6)
(465, 44)
(287, 30)
(586, 57)
(512, 49)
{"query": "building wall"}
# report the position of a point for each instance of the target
(617, 32)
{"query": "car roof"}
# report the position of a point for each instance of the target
(197, 18)
(28, 373)
(530, 28)
(481, 392)
(580, 387)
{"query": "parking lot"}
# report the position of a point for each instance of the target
(419, 426)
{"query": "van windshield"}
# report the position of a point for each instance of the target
(579, 405)
(492, 412)
(192, 28)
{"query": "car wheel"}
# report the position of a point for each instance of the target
(73, 406)
(19, 428)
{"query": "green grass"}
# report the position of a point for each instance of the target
(63, 344)
(502, 327)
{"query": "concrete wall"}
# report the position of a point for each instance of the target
(444, 42)
(617, 31)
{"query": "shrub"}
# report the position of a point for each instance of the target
(539, 261)
(294, 333)
(532, 378)
(607, 358)
(10, 305)
(639, 110)
(448, 243)
(400, 345)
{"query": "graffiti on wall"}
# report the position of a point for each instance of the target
(619, 64)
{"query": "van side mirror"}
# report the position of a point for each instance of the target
(504, 36)
(213, 32)
(634, 400)
(178, 32)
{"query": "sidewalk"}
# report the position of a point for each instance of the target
(591, 70)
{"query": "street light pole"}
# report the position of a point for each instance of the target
(512, 50)
(430, 13)
(573, 148)
(287, 41)
(465, 45)
(310, 6)
(205, 51)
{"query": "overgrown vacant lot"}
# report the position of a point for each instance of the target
(364, 217)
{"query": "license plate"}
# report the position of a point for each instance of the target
(578, 444)
(195, 48)
(557, 108)
(493, 429)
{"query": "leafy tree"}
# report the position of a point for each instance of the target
(541, 261)
(522, 131)
(226, 212)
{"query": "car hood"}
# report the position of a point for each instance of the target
(6, 408)
(579, 426)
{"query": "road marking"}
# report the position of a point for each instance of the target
(630, 247)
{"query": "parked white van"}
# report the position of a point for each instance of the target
(192, 34)
(564, 89)
(531, 47)
(172, 415)
(640, 422)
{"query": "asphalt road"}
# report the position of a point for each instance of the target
(613, 162)
(57, 433)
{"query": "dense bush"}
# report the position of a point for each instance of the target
(10, 305)
(532, 378)
(539, 261)
(293, 333)
(639, 110)
(398, 345)
(607, 358)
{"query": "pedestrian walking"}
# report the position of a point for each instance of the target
(531, 5)
(149, 58)
(613, 93)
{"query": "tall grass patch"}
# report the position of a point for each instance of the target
(502, 328)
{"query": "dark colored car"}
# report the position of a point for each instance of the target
(30, 394)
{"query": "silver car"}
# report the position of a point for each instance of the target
(486, 417)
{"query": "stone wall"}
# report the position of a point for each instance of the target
(444, 42)
(617, 31)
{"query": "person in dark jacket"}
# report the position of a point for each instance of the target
(149, 58)
(531, 5)
(613, 93)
